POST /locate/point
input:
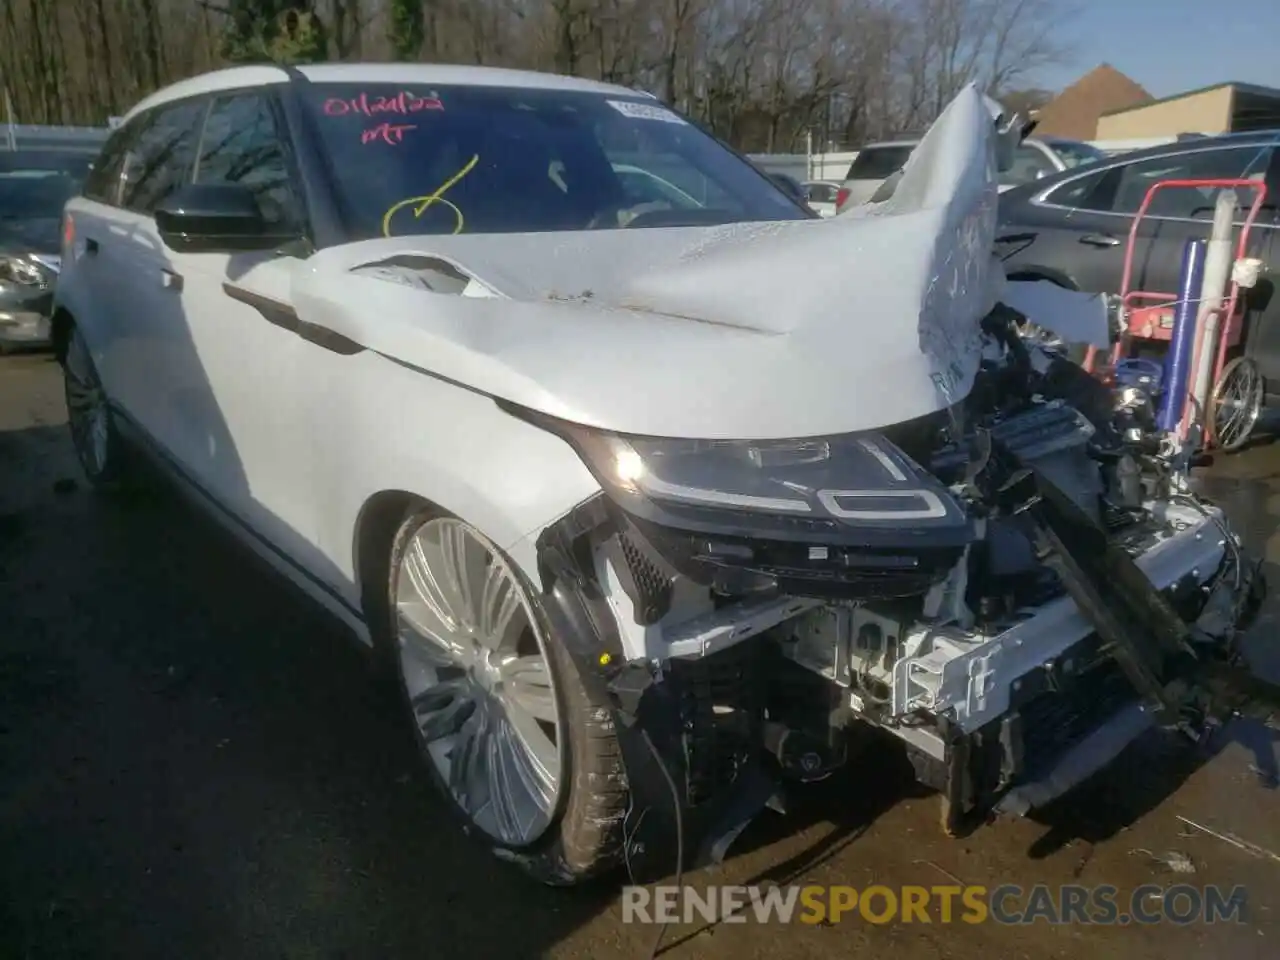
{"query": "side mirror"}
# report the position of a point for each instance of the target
(1042, 173)
(216, 218)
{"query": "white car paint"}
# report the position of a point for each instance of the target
(704, 335)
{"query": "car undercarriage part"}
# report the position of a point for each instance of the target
(1016, 611)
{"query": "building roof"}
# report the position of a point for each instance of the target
(1075, 111)
(1250, 88)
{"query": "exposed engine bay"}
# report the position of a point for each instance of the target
(1016, 588)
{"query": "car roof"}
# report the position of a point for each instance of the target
(890, 143)
(1260, 139)
(235, 78)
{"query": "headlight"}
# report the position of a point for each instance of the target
(851, 488)
(15, 269)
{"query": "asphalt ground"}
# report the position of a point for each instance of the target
(194, 763)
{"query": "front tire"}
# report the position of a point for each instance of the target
(101, 451)
(510, 735)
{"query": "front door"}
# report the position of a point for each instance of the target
(242, 409)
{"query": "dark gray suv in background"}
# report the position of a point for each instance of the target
(1076, 225)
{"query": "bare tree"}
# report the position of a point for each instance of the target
(763, 74)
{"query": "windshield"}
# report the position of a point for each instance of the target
(1074, 153)
(877, 163)
(469, 159)
(36, 186)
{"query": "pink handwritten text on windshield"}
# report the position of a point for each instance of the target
(392, 133)
(365, 105)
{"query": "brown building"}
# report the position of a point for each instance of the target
(1075, 111)
(1225, 108)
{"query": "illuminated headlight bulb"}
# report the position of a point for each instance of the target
(628, 467)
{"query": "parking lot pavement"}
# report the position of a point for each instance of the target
(194, 763)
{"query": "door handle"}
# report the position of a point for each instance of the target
(170, 280)
(1100, 240)
(90, 246)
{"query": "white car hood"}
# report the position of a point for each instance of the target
(746, 331)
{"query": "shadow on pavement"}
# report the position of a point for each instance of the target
(195, 763)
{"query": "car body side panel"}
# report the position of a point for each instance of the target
(1069, 240)
(381, 426)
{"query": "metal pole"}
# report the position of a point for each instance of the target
(11, 133)
(1217, 270)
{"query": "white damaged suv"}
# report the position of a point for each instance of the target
(643, 520)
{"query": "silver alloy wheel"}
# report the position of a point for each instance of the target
(476, 672)
(87, 411)
(1236, 403)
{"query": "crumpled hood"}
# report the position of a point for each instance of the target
(747, 331)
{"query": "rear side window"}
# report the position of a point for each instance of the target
(1136, 179)
(242, 144)
(877, 163)
(1079, 192)
(159, 160)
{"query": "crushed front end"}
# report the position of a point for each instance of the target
(1015, 588)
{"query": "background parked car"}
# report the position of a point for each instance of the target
(1034, 159)
(34, 186)
(788, 185)
(1081, 220)
(821, 196)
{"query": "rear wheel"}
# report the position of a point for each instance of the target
(98, 445)
(510, 735)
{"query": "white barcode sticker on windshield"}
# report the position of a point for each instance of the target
(644, 111)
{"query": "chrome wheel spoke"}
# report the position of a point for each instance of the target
(501, 612)
(467, 776)
(506, 789)
(476, 672)
(442, 710)
(526, 685)
(455, 557)
(534, 777)
(1237, 402)
(543, 752)
(418, 568)
(434, 650)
